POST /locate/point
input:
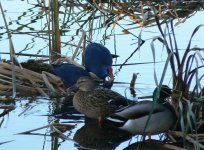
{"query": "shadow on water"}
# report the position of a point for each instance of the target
(90, 135)
(146, 145)
(63, 123)
(93, 136)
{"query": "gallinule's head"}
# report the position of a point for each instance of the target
(98, 60)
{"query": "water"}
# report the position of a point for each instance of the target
(32, 113)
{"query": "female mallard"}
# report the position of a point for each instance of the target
(145, 117)
(96, 102)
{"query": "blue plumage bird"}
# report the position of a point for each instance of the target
(98, 60)
(69, 73)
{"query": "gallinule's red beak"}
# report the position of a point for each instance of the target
(110, 73)
(108, 81)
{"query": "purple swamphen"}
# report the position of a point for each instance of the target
(98, 60)
(69, 73)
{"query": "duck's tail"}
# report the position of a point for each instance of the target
(116, 120)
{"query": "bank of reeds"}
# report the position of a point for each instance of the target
(188, 93)
(186, 68)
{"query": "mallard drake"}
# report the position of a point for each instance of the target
(134, 118)
(96, 102)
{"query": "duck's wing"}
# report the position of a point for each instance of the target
(107, 97)
(136, 111)
(140, 109)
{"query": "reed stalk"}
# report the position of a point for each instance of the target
(12, 54)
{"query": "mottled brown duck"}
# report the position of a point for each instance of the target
(96, 102)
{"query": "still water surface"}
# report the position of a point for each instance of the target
(32, 113)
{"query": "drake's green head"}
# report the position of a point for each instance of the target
(160, 94)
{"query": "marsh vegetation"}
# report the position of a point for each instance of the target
(150, 39)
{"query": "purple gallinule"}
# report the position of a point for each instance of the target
(98, 60)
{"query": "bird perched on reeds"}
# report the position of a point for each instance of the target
(96, 102)
(98, 61)
(147, 117)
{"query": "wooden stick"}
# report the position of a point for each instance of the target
(132, 84)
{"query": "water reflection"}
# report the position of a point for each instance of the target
(64, 109)
(147, 145)
(56, 123)
(6, 106)
(93, 136)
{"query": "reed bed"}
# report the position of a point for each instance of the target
(33, 83)
(188, 103)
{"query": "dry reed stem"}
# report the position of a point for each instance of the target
(46, 126)
(188, 137)
(4, 87)
(25, 72)
(20, 88)
(47, 83)
(27, 80)
(7, 74)
(60, 133)
(6, 68)
(18, 70)
(78, 46)
(132, 84)
(173, 147)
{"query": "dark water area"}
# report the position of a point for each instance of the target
(34, 123)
